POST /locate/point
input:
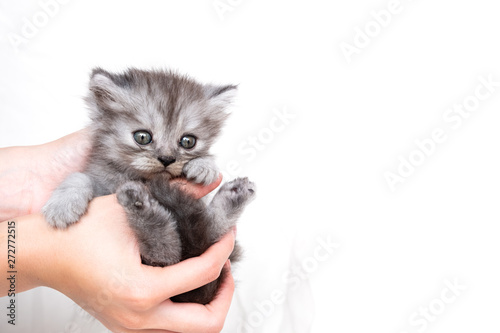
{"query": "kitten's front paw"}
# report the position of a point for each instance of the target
(133, 196)
(60, 212)
(201, 170)
(69, 201)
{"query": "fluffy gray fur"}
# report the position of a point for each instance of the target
(170, 226)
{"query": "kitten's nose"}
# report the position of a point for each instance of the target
(166, 160)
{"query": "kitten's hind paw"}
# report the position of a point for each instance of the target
(236, 193)
(133, 196)
(228, 204)
(154, 226)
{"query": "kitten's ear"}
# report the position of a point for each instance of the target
(221, 96)
(106, 92)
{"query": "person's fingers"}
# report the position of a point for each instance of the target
(150, 331)
(190, 273)
(140, 330)
(221, 304)
(191, 317)
(119, 328)
(196, 190)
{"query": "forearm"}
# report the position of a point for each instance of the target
(15, 180)
(24, 253)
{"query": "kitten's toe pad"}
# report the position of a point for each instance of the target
(239, 191)
(133, 196)
(201, 172)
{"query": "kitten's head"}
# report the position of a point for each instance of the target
(148, 122)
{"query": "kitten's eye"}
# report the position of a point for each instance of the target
(188, 141)
(142, 137)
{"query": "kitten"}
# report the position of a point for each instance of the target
(147, 127)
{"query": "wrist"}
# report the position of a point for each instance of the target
(27, 246)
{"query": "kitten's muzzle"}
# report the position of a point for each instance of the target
(166, 160)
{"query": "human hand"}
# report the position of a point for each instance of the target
(28, 175)
(96, 263)
(116, 288)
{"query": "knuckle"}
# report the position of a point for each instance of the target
(138, 299)
(212, 270)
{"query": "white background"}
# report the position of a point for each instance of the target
(320, 176)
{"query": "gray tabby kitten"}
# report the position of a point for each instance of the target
(147, 127)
